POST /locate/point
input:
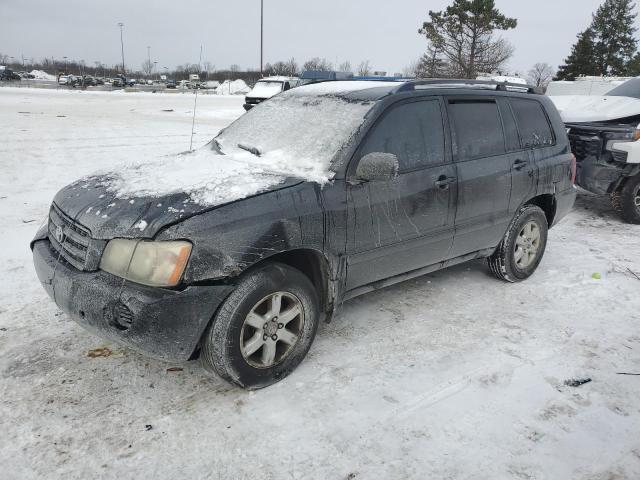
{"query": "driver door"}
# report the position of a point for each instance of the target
(401, 224)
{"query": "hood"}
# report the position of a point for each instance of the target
(583, 108)
(93, 203)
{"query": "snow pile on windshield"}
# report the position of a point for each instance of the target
(305, 131)
(290, 136)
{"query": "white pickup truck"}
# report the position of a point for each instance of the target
(604, 132)
(266, 88)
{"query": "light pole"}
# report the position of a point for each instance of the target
(120, 24)
(155, 66)
(261, 38)
(149, 58)
(65, 65)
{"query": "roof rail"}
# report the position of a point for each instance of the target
(467, 83)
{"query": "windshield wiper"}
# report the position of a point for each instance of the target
(250, 149)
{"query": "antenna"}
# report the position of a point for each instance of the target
(195, 105)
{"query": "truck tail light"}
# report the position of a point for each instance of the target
(573, 169)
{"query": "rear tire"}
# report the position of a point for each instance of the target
(264, 329)
(523, 246)
(626, 200)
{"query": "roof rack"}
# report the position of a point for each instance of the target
(413, 85)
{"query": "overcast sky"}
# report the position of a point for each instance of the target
(385, 32)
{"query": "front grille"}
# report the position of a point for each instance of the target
(69, 238)
(584, 146)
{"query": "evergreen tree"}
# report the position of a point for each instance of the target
(608, 46)
(463, 34)
(581, 61)
(613, 26)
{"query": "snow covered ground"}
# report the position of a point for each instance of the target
(454, 375)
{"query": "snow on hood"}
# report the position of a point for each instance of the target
(210, 179)
(583, 108)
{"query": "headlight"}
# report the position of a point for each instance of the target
(157, 264)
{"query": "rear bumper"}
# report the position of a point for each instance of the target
(164, 324)
(564, 203)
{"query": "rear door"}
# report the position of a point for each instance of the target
(403, 224)
(484, 173)
(537, 141)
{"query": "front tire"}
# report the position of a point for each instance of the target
(520, 252)
(626, 200)
(264, 329)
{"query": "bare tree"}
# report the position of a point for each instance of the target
(364, 69)
(147, 67)
(541, 75)
(318, 64)
(345, 66)
(234, 68)
(433, 65)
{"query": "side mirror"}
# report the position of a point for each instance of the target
(377, 166)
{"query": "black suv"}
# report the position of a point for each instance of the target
(240, 269)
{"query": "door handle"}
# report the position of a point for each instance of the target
(444, 182)
(520, 164)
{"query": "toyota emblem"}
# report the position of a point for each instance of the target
(59, 233)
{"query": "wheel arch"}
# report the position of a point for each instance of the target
(547, 202)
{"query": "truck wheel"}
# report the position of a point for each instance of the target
(626, 200)
(523, 246)
(264, 329)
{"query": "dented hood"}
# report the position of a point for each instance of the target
(583, 108)
(91, 203)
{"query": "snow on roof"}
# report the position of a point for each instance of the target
(347, 86)
(276, 79)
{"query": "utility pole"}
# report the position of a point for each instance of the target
(120, 24)
(262, 38)
(149, 57)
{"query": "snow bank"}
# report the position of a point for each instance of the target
(40, 75)
(235, 87)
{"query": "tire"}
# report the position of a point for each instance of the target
(626, 200)
(245, 322)
(511, 262)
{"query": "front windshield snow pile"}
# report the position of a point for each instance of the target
(289, 136)
(296, 133)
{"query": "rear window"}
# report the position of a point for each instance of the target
(533, 124)
(477, 127)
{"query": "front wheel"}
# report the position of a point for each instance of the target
(626, 200)
(264, 329)
(523, 246)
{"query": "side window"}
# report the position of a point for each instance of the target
(533, 124)
(411, 131)
(477, 127)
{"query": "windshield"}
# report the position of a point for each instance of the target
(302, 131)
(630, 88)
(266, 89)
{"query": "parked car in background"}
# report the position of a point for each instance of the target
(184, 84)
(605, 137)
(267, 88)
(171, 84)
(118, 82)
(240, 271)
(210, 85)
(8, 75)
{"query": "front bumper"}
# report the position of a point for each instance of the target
(164, 324)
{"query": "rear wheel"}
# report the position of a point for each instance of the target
(523, 246)
(264, 329)
(626, 200)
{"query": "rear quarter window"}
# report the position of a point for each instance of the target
(533, 124)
